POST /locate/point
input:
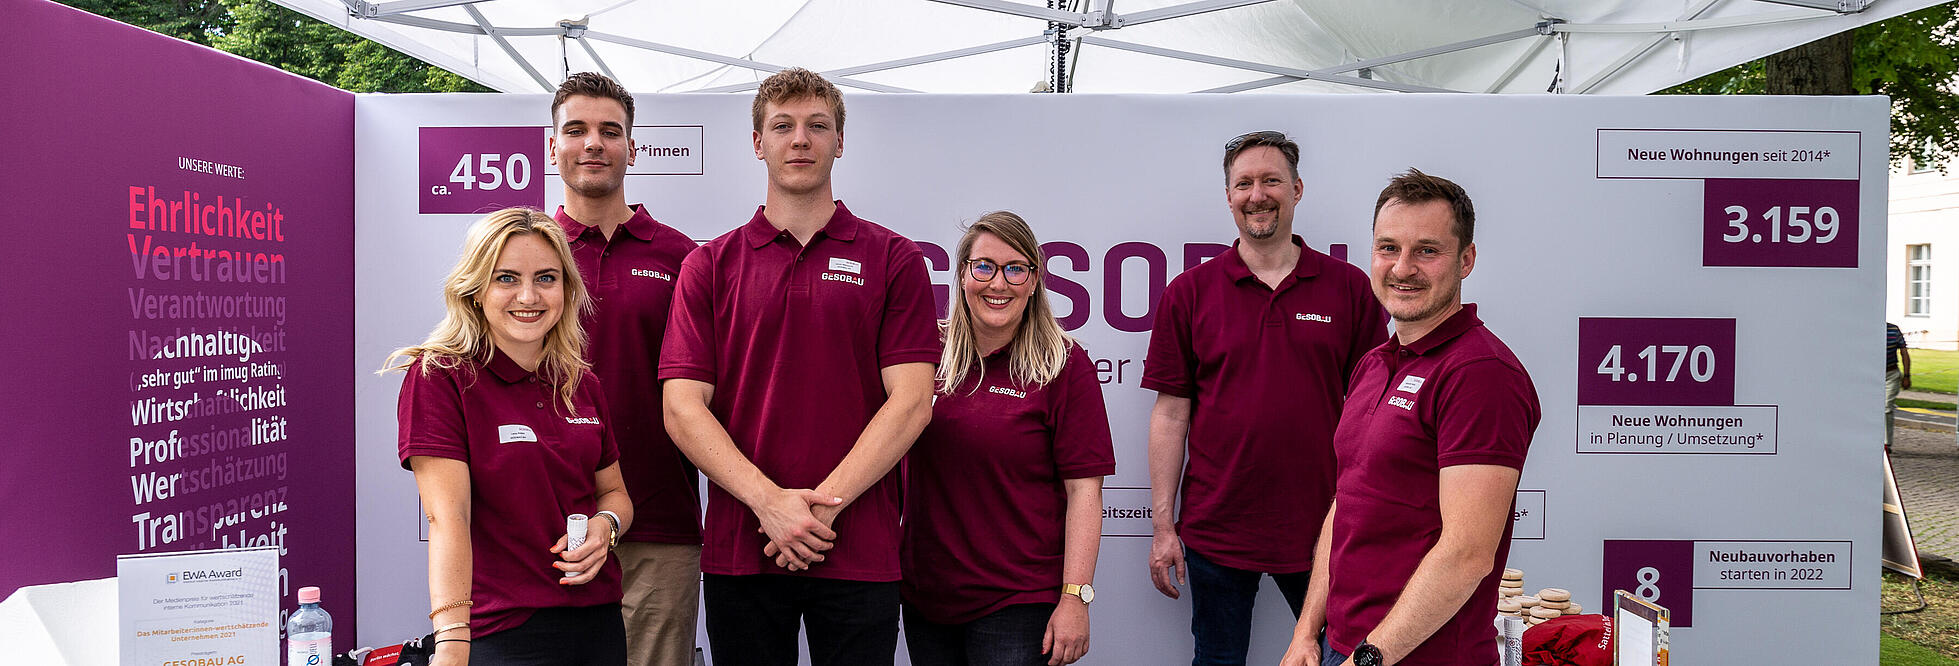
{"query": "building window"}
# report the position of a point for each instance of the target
(1918, 280)
(1918, 167)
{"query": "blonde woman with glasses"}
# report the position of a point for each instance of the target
(1003, 511)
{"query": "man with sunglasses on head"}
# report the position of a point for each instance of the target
(1249, 358)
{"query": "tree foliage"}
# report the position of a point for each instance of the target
(269, 33)
(1913, 59)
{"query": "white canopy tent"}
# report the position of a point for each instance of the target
(1168, 46)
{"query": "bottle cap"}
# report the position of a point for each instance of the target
(309, 595)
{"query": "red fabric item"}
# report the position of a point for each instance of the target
(1572, 640)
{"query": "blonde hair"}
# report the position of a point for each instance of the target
(464, 333)
(793, 84)
(1039, 348)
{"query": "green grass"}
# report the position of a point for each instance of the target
(1892, 651)
(1927, 404)
(1935, 370)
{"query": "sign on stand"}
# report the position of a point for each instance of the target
(199, 608)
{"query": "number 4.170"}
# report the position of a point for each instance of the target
(1699, 361)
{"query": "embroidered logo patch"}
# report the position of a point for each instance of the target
(1313, 317)
(641, 272)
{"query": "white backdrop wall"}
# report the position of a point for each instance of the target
(1139, 177)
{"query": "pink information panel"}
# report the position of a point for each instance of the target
(470, 170)
(1792, 223)
(1656, 361)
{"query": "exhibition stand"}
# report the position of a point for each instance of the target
(1693, 283)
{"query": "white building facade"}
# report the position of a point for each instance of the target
(1922, 260)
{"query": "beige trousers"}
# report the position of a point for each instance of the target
(663, 597)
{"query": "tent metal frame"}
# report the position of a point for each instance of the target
(1081, 28)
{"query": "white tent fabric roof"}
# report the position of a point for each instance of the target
(1505, 46)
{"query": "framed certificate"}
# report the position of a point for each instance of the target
(1639, 631)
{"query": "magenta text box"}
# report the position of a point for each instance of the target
(480, 169)
(1659, 571)
(1656, 361)
(1791, 223)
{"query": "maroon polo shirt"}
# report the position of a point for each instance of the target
(985, 511)
(793, 338)
(531, 463)
(1457, 396)
(631, 279)
(1264, 370)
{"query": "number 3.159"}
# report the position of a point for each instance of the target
(1799, 224)
(483, 172)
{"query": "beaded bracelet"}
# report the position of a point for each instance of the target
(452, 604)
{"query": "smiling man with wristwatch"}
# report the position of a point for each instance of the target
(1431, 443)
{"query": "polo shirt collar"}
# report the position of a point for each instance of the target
(640, 225)
(1457, 324)
(506, 369)
(1307, 266)
(842, 226)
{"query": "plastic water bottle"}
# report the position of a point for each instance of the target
(309, 632)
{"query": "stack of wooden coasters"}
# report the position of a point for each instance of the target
(1549, 603)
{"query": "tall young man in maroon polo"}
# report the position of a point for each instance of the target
(1249, 359)
(1431, 444)
(629, 261)
(798, 370)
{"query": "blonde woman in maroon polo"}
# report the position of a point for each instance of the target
(506, 432)
(1431, 442)
(1003, 509)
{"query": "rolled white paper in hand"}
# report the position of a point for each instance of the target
(574, 535)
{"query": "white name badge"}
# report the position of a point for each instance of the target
(515, 433)
(846, 265)
(1410, 384)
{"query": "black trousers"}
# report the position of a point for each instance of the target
(588, 635)
(753, 620)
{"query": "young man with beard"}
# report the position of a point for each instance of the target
(1249, 359)
(799, 371)
(1431, 444)
(629, 261)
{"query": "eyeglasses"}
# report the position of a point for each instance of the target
(983, 270)
(1259, 138)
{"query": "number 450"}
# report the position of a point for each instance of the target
(514, 172)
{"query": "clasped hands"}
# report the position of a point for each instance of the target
(797, 523)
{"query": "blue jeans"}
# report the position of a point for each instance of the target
(1328, 655)
(1221, 607)
(1010, 636)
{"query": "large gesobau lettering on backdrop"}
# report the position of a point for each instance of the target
(1694, 285)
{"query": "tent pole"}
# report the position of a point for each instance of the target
(507, 48)
(1260, 67)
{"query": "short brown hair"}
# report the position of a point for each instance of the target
(797, 83)
(592, 84)
(1414, 187)
(1249, 140)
